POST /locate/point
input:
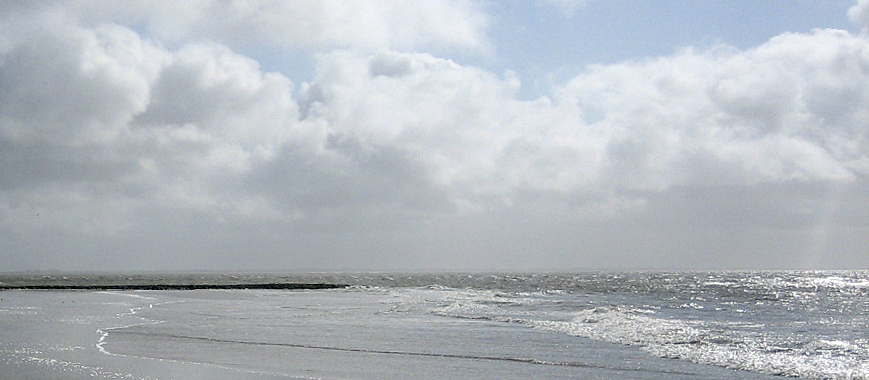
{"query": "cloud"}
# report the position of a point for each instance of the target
(788, 110)
(138, 122)
(747, 117)
(67, 96)
(859, 14)
(73, 85)
(98, 117)
(307, 24)
(791, 109)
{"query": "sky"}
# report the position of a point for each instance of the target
(438, 135)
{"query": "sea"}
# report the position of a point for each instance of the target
(589, 325)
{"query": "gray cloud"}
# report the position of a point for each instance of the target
(190, 155)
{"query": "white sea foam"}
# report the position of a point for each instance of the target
(839, 282)
(619, 325)
(680, 339)
(104, 332)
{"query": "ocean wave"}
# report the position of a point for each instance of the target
(696, 342)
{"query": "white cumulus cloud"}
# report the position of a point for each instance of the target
(142, 120)
(859, 14)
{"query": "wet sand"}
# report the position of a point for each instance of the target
(57, 335)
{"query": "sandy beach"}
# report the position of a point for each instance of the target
(380, 333)
(591, 326)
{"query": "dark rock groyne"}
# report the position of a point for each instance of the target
(277, 286)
